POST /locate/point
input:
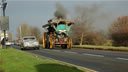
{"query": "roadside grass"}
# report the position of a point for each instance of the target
(1, 70)
(18, 61)
(101, 47)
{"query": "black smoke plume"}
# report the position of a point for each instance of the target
(60, 12)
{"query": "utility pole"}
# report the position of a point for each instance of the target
(20, 32)
(4, 4)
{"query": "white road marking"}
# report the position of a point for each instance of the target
(70, 52)
(122, 58)
(93, 55)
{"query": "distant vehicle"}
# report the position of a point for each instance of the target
(15, 43)
(18, 42)
(57, 33)
(29, 42)
(9, 43)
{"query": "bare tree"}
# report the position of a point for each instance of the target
(10, 36)
(23, 30)
(119, 31)
(35, 31)
(27, 30)
(83, 23)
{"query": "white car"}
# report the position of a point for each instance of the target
(8, 43)
(29, 42)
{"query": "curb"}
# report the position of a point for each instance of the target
(64, 63)
(107, 48)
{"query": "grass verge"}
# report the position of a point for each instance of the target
(18, 61)
(101, 47)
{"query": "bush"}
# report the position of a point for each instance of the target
(89, 38)
(108, 43)
(119, 32)
(93, 38)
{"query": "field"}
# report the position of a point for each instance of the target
(12, 60)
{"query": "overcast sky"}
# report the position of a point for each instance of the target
(37, 12)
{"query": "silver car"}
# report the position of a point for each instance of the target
(9, 43)
(29, 42)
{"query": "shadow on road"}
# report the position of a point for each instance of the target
(56, 68)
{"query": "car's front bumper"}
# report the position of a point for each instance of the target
(31, 46)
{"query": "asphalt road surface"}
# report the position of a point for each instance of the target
(96, 60)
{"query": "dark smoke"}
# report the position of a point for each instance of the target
(60, 12)
(83, 31)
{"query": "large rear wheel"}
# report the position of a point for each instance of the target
(44, 40)
(69, 43)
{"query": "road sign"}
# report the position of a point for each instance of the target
(4, 22)
(2, 36)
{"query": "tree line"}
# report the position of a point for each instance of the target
(28, 30)
(82, 32)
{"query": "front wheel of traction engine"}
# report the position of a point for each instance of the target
(51, 41)
(52, 45)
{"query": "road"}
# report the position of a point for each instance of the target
(96, 60)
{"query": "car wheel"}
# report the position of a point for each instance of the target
(34, 48)
(22, 48)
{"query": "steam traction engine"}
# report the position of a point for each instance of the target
(57, 33)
